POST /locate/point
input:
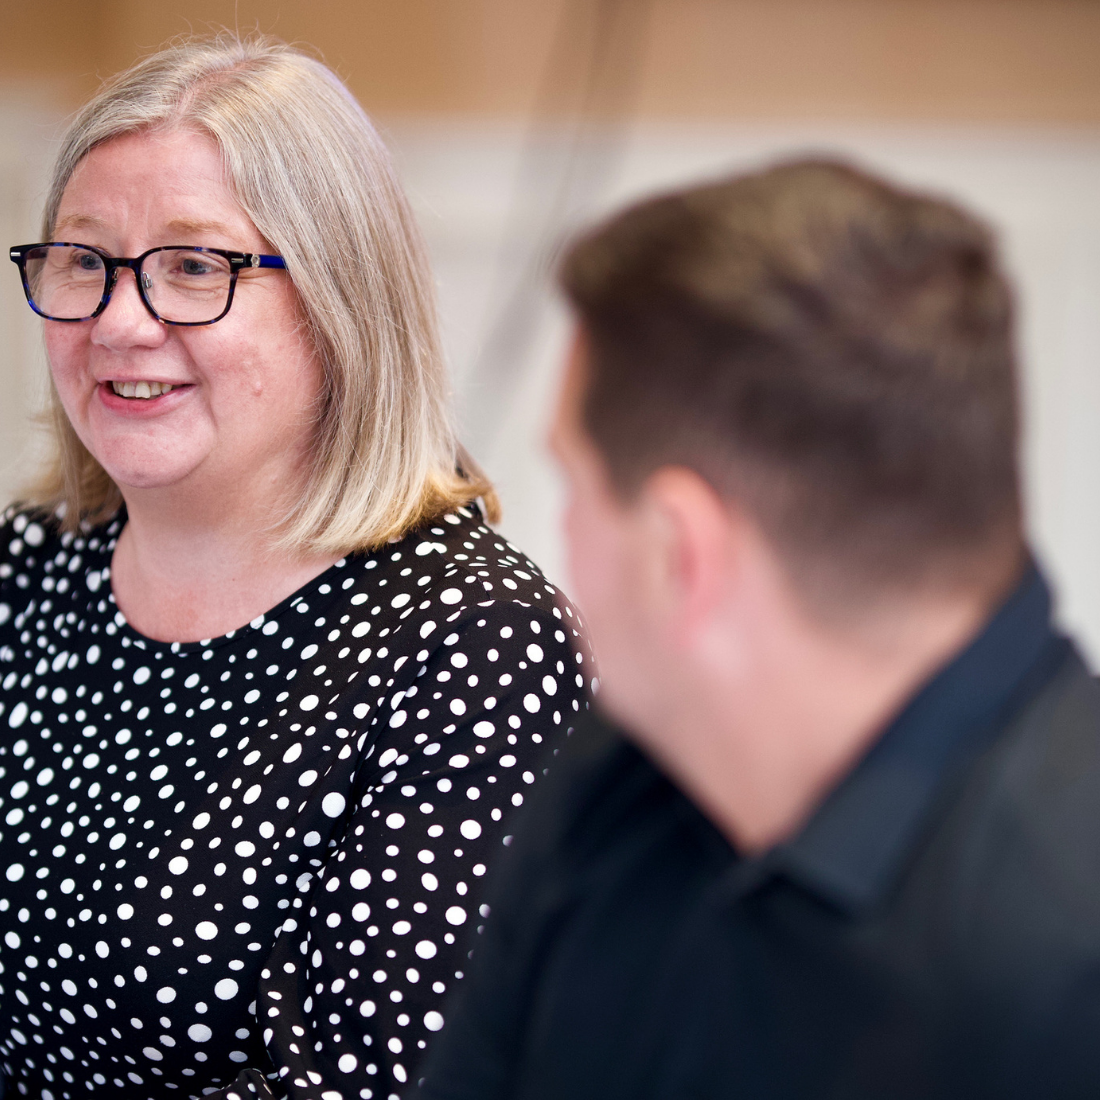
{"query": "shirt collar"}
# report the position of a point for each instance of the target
(853, 848)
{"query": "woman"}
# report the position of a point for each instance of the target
(271, 686)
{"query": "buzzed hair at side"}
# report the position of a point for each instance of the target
(831, 351)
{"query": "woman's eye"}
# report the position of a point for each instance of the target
(88, 261)
(195, 267)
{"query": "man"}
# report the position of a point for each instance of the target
(847, 842)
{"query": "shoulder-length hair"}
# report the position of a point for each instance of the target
(309, 169)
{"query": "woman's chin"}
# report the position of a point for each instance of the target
(147, 478)
(143, 460)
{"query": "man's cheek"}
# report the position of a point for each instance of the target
(595, 564)
(584, 541)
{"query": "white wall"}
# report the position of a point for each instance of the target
(1041, 189)
(494, 201)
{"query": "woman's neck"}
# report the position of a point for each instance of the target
(184, 574)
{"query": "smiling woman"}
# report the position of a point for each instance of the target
(239, 416)
(271, 686)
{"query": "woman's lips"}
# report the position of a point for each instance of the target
(141, 390)
(138, 396)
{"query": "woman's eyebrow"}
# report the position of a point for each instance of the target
(183, 226)
(80, 221)
(187, 226)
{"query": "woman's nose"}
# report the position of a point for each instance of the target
(125, 318)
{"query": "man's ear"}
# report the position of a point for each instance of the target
(695, 535)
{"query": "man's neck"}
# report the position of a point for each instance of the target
(758, 749)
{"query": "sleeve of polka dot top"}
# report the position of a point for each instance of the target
(355, 987)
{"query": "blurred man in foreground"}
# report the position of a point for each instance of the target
(846, 839)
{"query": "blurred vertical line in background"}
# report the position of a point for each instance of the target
(574, 145)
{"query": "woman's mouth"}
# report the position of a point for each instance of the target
(141, 390)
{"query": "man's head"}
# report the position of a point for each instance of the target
(828, 356)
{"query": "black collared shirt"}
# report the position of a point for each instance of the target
(933, 931)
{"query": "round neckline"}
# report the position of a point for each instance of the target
(256, 624)
(108, 533)
(109, 540)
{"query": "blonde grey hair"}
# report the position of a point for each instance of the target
(311, 172)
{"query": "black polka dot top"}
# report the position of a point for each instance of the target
(249, 866)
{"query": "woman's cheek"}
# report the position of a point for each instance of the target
(66, 353)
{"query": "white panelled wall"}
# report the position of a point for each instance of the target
(492, 205)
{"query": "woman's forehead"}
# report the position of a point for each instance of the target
(184, 148)
(173, 182)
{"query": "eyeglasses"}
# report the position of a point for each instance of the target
(178, 285)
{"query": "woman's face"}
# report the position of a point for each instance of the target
(239, 418)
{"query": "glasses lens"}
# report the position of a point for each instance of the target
(66, 282)
(187, 285)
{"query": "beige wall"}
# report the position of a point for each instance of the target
(1030, 61)
(994, 101)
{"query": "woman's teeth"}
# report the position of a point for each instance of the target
(141, 389)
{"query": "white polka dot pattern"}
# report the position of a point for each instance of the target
(249, 866)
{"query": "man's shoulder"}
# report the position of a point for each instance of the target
(1017, 846)
(603, 800)
(585, 776)
(1039, 786)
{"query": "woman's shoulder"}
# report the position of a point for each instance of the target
(451, 590)
(33, 547)
(456, 562)
(27, 538)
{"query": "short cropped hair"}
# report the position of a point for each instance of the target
(309, 169)
(832, 351)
